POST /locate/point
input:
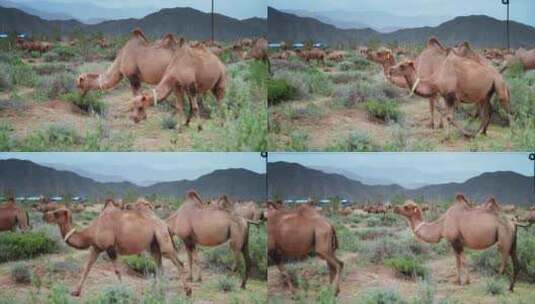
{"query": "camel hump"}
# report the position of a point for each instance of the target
(462, 199)
(192, 194)
(138, 33)
(434, 42)
(168, 40)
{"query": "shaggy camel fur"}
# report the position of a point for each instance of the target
(139, 61)
(193, 71)
(197, 224)
(296, 233)
(459, 79)
(465, 226)
(12, 216)
(117, 232)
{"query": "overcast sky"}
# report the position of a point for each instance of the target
(142, 167)
(412, 168)
(240, 9)
(520, 10)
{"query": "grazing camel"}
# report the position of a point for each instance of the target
(336, 56)
(459, 79)
(12, 216)
(197, 224)
(314, 54)
(525, 57)
(296, 233)
(465, 226)
(117, 232)
(139, 61)
(192, 71)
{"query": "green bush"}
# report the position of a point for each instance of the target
(326, 295)
(64, 53)
(141, 264)
(354, 142)
(381, 296)
(280, 90)
(407, 267)
(59, 295)
(52, 138)
(20, 273)
(18, 246)
(495, 286)
(5, 141)
(91, 102)
(219, 259)
(5, 80)
(226, 284)
(169, 122)
(257, 250)
(50, 68)
(387, 110)
(53, 86)
(115, 295)
(22, 74)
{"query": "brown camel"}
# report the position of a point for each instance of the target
(192, 71)
(459, 79)
(12, 216)
(259, 51)
(139, 61)
(296, 233)
(117, 232)
(525, 57)
(314, 54)
(465, 226)
(336, 56)
(197, 224)
(248, 210)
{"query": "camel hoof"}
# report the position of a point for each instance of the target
(75, 293)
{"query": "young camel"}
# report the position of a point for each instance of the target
(192, 71)
(12, 216)
(296, 233)
(139, 61)
(465, 226)
(198, 224)
(117, 232)
(459, 79)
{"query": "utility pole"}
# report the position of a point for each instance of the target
(213, 19)
(506, 2)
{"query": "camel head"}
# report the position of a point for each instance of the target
(60, 216)
(405, 68)
(409, 210)
(272, 208)
(382, 56)
(87, 81)
(137, 111)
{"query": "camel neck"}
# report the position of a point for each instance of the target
(77, 239)
(423, 88)
(427, 232)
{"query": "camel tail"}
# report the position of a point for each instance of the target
(514, 258)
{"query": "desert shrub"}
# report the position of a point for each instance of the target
(18, 246)
(67, 266)
(308, 82)
(379, 250)
(219, 258)
(115, 295)
(345, 66)
(257, 73)
(360, 63)
(347, 239)
(20, 273)
(226, 284)
(5, 80)
(326, 295)
(257, 250)
(407, 267)
(91, 102)
(64, 53)
(51, 138)
(22, 74)
(51, 57)
(169, 122)
(298, 141)
(355, 141)
(141, 264)
(280, 90)
(495, 286)
(387, 110)
(5, 138)
(313, 111)
(381, 296)
(59, 294)
(49, 68)
(53, 86)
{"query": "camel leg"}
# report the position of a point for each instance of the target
(325, 250)
(458, 249)
(247, 263)
(432, 109)
(286, 279)
(335, 267)
(516, 264)
(466, 270)
(196, 261)
(93, 255)
(195, 111)
(179, 104)
(190, 247)
(112, 254)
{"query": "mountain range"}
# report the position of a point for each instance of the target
(479, 30)
(294, 181)
(27, 178)
(183, 21)
(380, 21)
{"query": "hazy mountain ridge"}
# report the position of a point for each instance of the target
(294, 181)
(479, 30)
(27, 178)
(186, 22)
